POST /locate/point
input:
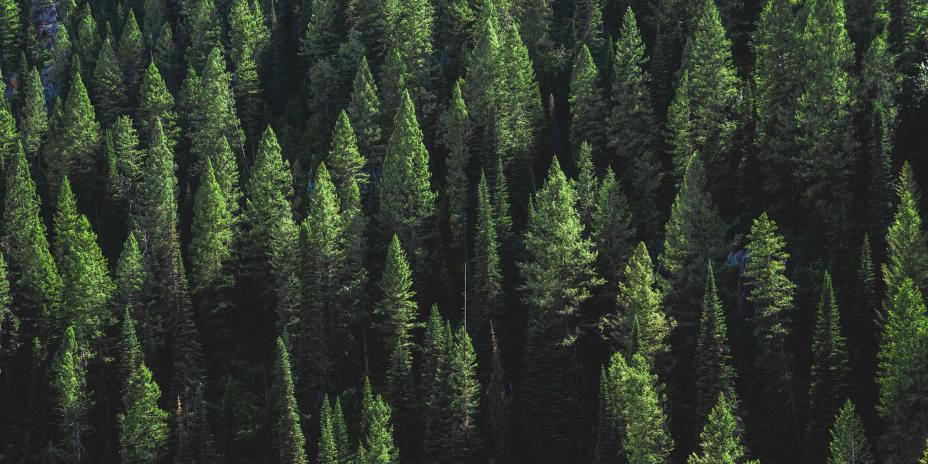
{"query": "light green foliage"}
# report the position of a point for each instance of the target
(376, 432)
(203, 25)
(830, 371)
(646, 439)
(902, 373)
(211, 234)
(143, 428)
(719, 441)
(248, 41)
(109, 89)
(612, 228)
(455, 136)
(126, 162)
(9, 320)
(364, 113)
(849, 443)
(907, 250)
(399, 309)
(76, 146)
(212, 113)
(639, 300)
(156, 101)
(132, 55)
(408, 25)
(11, 34)
(485, 294)
(33, 115)
(88, 288)
(345, 161)
(407, 203)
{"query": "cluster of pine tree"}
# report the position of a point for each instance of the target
(462, 231)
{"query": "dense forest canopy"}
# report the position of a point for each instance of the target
(463, 231)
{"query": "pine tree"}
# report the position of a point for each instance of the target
(126, 163)
(132, 56)
(345, 160)
(376, 432)
(612, 228)
(214, 114)
(453, 19)
(640, 301)
(270, 234)
(321, 319)
(776, 78)
(156, 101)
(408, 25)
(558, 275)
(407, 203)
(770, 292)
(166, 56)
(486, 292)
(9, 138)
(849, 443)
(72, 400)
(588, 110)
(33, 115)
(364, 113)
(11, 35)
(902, 374)
(35, 281)
(457, 396)
(586, 185)
(906, 247)
(109, 89)
(693, 235)
(131, 358)
(829, 371)
(249, 38)
(129, 278)
(631, 127)
(455, 136)
(703, 117)
(824, 118)
(647, 440)
(211, 235)
(88, 39)
(9, 319)
(87, 287)
(719, 441)
(143, 428)
(289, 435)
(329, 452)
(76, 146)
(201, 22)
(715, 374)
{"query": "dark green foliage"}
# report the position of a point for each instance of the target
(486, 293)
(455, 136)
(132, 56)
(11, 35)
(211, 234)
(408, 25)
(376, 443)
(143, 428)
(88, 39)
(588, 110)
(345, 160)
(109, 89)
(155, 101)
(203, 27)
(612, 228)
(289, 439)
(9, 320)
(906, 247)
(829, 372)
(454, 402)
(248, 37)
(126, 160)
(719, 440)
(212, 114)
(642, 327)
(75, 148)
(130, 278)
(714, 373)
(849, 443)
(72, 400)
(33, 116)
(364, 112)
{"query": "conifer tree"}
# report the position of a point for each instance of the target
(203, 26)
(631, 126)
(409, 28)
(270, 234)
(558, 275)
(321, 319)
(364, 113)
(693, 235)
(585, 185)
(906, 246)
(824, 117)
(9, 138)
(719, 440)
(453, 19)
(72, 400)
(829, 372)
(640, 301)
(214, 114)
(455, 136)
(376, 432)
(776, 78)
(328, 447)
(87, 287)
(126, 163)
(76, 147)
(11, 35)
(394, 77)
(131, 52)
(587, 108)
(612, 228)
(407, 203)
(143, 428)
(131, 358)
(486, 293)
(770, 292)
(109, 89)
(457, 395)
(345, 160)
(211, 235)
(156, 101)
(166, 56)
(647, 439)
(714, 372)
(609, 425)
(703, 116)
(248, 37)
(9, 320)
(849, 443)
(129, 278)
(902, 373)
(88, 39)
(33, 115)
(35, 281)
(289, 434)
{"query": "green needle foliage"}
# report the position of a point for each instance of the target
(849, 443)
